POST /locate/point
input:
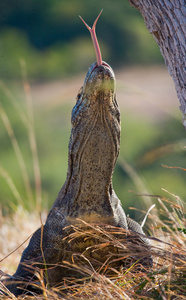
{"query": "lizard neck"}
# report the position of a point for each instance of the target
(92, 159)
(93, 148)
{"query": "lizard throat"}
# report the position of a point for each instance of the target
(92, 167)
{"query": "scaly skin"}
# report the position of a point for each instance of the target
(87, 193)
(93, 151)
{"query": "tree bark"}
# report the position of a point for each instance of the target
(166, 21)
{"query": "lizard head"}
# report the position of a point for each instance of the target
(99, 79)
(97, 98)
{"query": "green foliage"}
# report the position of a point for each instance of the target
(53, 41)
(56, 61)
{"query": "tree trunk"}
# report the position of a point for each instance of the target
(166, 21)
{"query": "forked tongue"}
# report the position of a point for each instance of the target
(94, 39)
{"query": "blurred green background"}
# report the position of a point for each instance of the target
(54, 42)
(47, 40)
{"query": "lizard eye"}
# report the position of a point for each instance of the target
(79, 94)
(76, 107)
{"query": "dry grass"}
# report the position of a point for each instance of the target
(166, 280)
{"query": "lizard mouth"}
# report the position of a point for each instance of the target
(102, 64)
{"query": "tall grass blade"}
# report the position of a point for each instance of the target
(14, 101)
(12, 186)
(18, 153)
(136, 179)
(32, 137)
(4, 289)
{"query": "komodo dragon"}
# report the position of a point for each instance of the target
(87, 193)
